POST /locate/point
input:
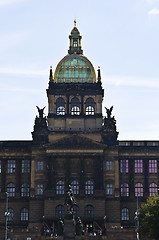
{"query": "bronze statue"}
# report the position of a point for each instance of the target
(79, 226)
(109, 111)
(60, 227)
(41, 112)
(70, 199)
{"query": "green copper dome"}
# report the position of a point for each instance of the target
(75, 67)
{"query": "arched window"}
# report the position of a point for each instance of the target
(90, 106)
(139, 190)
(125, 214)
(76, 211)
(152, 189)
(75, 44)
(89, 187)
(60, 187)
(10, 214)
(25, 190)
(75, 187)
(11, 190)
(124, 190)
(89, 211)
(59, 211)
(40, 189)
(75, 106)
(24, 216)
(60, 106)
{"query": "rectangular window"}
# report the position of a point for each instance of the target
(109, 189)
(40, 189)
(11, 166)
(25, 166)
(138, 166)
(124, 166)
(109, 165)
(152, 166)
(40, 165)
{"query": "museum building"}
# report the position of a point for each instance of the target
(74, 145)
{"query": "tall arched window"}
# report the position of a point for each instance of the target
(10, 214)
(90, 106)
(152, 189)
(139, 190)
(89, 211)
(25, 190)
(24, 216)
(76, 211)
(75, 187)
(124, 190)
(11, 190)
(60, 187)
(60, 106)
(89, 187)
(125, 214)
(75, 106)
(59, 211)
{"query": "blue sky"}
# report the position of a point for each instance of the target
(120, 36)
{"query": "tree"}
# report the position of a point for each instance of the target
(149, 218)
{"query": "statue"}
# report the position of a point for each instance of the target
(79, 227)
(60, 227)
(109, 111)
(70, 199)
(41, 112)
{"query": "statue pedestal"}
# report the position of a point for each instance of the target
(69, 227)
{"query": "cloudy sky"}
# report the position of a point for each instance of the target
(120, 36)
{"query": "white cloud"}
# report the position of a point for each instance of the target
(131, 81)
(30, 72)
(154, 11)
(9, 2)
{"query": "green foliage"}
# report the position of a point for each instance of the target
(149, 218)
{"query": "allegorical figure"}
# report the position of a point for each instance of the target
(109, 111)
(41, 112)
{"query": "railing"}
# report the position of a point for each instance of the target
(139, 143)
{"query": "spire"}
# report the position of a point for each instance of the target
(75, 41)
(51, 76)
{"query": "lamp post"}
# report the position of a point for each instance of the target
(6, 216)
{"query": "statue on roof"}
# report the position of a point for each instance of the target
(41, 112)
(109, 111)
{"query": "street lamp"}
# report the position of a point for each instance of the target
(137, 217)
(6, 216)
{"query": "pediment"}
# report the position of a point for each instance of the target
(76, 142)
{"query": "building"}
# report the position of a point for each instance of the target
(75, 145)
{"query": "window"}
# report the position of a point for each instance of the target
(152, 189)
(139, 190)
(59, 211)
(60, 106)
(25, 190)
(125, 214)
(124, 168)
(11, 190)
(89, 211)
(124, 190)
(75, 44)
(75, 106)
(0, 166)
(152, 166)
(11, 166)
(40, 189)
(76, 211)
(24, 216)
(60, 187)
(10, 214)
(90, 106)
(75, 187)
(89, 187)
(25, 166)
(40, 165)
(138, 166)
(109, 189)
(109, 165)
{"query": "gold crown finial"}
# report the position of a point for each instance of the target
(75, 22)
